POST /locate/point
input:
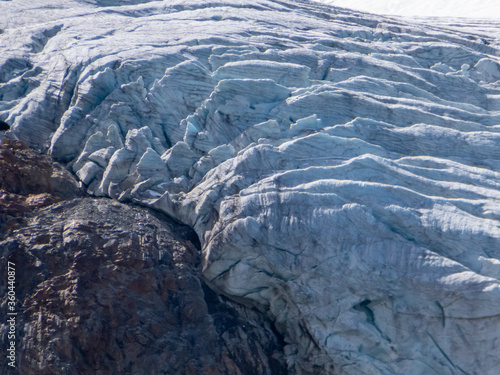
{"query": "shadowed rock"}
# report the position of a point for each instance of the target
(4, 126)
(106, 288)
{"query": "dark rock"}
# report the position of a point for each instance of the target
(25, 171)
(107, 288)
(29, 180)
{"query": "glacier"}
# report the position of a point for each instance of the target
(341, 169)
(478, 9)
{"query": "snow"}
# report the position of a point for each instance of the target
(341, 169)
(424, 8)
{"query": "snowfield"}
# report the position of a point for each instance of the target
(486, 9)
(340, 168)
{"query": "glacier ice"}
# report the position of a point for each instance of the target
(341, 169)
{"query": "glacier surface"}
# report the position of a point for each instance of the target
(341, 169)
(486, 9)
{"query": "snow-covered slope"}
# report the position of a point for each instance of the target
(488, 9)
(341, 169)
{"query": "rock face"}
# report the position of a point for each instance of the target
(24, 171)
(106, 288)
(30, 181)
(110, 289)
(340, 169)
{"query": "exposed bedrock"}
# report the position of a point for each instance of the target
(107, 288)
(340, 169)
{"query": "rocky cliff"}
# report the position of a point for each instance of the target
(107, 288)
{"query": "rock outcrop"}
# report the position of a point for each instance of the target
(29, 181)
(107, 288)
